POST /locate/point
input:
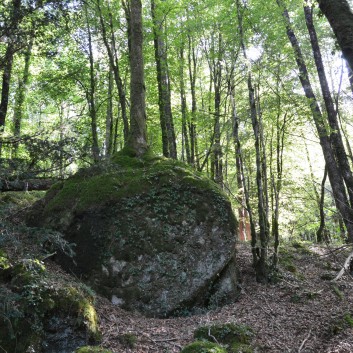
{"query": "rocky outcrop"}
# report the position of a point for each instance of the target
(150, 234)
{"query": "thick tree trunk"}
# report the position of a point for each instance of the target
(334, 173)
(7, 66)
(5, 88)
(340, 16)
(137, 140)
(164, 101)
(335, 134)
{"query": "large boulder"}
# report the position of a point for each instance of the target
(150, 234)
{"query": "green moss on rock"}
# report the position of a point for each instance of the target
(31, 298)
(203, 347)
(137, 224)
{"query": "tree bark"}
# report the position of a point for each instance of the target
(137, 140)
(91, 96)
(320, 234)
(7, 67)
(192, 65)
(186, 144)
(164, 101)
(340, 17)
(20, 96)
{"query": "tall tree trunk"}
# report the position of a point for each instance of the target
(334, 173)
(109, 117)
(5, 88)
(215, 66)
(110, 45)
(192, 65)
(260, 253)
(20, 96)
(91, 95)
(340, 17)
(244, 211)
(185, 135)
(335, 134)
(137, 140)
(8, 62)
(164, 101)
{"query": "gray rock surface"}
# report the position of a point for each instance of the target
(156, 238)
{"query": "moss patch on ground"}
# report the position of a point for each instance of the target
(203, 347)
(229, 337)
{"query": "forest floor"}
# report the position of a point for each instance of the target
(303, 312)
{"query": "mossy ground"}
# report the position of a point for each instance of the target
(230, 337)
(203, 347)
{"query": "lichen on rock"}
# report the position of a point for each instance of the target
(151, 234)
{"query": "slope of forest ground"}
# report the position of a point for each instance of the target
(304, 311)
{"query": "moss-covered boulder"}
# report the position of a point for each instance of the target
(42, 313)
(150, 234)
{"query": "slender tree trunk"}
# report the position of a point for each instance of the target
(334, 173)
(217, 148)
(20, 97)
(320, 234)
(340, 17)
(192, 65)
(260, 253)
(245, 211)
(109, 117)
(115, 65)
(137, 140)
(91, 95)
(184, 108)
(164, 102)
